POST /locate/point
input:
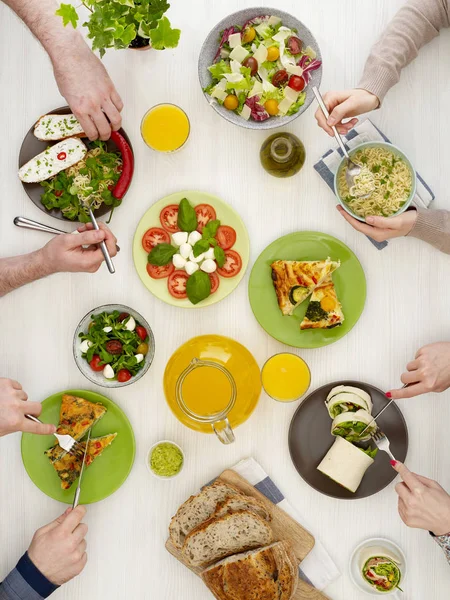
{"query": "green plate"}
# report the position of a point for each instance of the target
(227, 216)
(106, 474)
(349, 281)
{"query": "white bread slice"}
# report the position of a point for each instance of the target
(218, 538)
(58, 127)
(46, 164)
(234, 503)
(197, 509)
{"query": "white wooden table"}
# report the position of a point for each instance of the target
(407, 300)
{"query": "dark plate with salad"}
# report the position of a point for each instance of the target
(257, 68)
(113, 345)
(102, 179)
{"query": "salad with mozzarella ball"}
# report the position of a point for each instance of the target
(261, 69)
(191, 249)
(115, 344)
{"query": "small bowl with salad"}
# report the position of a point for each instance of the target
(113, 345)
(257, 68)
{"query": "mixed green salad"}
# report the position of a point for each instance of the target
(351, 430)
(115, 344)
(89, 182)
(261, 69)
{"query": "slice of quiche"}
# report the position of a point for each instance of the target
(68, 466)
(77, 415)
(294, 280)
(324, 309)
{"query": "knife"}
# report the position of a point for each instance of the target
(378, 414)
(76, 498)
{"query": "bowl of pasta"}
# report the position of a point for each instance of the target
(385, 187)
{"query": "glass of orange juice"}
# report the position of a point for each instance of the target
(165, 128)
(285, 377)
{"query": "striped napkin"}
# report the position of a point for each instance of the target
(318, 568)
(366, 131)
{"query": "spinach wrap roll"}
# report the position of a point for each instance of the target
(380, 568)
(345, 398)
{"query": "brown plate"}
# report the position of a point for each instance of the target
(31, 146)
(310, 439)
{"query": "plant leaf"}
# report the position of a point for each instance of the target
(161, 255)
(187, 217)
(198, 287)
(200, 247)
(68, 14)
(163, 36)
(219, 255)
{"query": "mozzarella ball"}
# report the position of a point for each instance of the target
(107, 329)
(108, 372)
(194, 237)
(191, 267)
(139, 357)
(210, 253)
(85, 345)
(198, 258)
(179, 238)
(178, 261)
(209, 266)
(185, 250)
(130, 324)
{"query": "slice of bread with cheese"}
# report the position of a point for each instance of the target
(54, 159)
(58, 127)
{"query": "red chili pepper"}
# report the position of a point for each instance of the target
(128, 165)
(58, 193)
(62, 156)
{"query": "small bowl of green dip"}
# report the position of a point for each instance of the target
(165, 460)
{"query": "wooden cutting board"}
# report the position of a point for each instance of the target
(284, 528)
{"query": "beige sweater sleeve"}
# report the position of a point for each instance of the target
(433, 226)
(415, 24)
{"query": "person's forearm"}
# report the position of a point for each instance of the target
(433, 227)
(416, 24)
(19, 270)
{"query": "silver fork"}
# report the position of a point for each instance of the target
(66, 442)
(382, 442)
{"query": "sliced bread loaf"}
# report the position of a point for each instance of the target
(222, 536)
(234, 503)
(197, 509)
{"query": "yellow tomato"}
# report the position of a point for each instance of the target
(327, 304)
(231, 102)
(248, 35)
(142, 348)
(272, 107)
(272, 53)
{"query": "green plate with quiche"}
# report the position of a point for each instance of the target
(349, 283)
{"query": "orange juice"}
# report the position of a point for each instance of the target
(165, 128)
(285, 377)
(206, 391)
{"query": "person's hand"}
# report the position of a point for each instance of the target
(342, 105)
(58, 549)
(65, 253)
(383, 228)
(14, 405)
(422, 502)
(85, 84)
(428, 372)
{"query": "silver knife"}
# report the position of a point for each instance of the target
(76, 498)
(381, 411)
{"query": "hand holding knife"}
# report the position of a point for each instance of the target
(381, 412)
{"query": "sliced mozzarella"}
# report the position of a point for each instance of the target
(130, 324)
(291, 94)
(178, 261)
(234, 77)
(261, 54)
(196, 259)
(139, 357)
(239, 53)
(209, 253)
(234, 40)
(194, 237)
(284, 106)
(294, 69)
(273, 20)
(191, 267)
(246, 112)
(209, 266)
(256, 90)
(46, 164)
(235, 66)
(108, 372)
(180, 237)
(85, 345)
(57, 127)
(107, 329)
(185, 250)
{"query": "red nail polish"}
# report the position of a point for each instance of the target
(388, 395)
(393, 462)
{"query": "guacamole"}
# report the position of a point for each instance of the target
(166, 460)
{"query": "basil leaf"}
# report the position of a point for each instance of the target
(210, 229)
(200, 247)
(198, 287)
(187, 217)
(161, 255)
(219, 255)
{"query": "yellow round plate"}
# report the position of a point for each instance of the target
(226, 215)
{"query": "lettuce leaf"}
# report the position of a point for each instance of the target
(219, 69)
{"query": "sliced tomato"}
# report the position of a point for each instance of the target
(154, 236)
(205, 213)
(177, 284)
(233, 264)
(226, 237)
(169, 218)
(160, 272)
(215, 281)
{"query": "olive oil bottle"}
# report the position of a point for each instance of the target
(282, 154)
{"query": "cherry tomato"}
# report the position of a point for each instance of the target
(233, 264)
(142, 348)
(215, 281)
(205, 213)
(169, 218)
(95, 366)
(231, 102)
(294, 45)
(61, 156)
(58, 193)
(252, 64)
(248, 35)
(296, 82)
(160, 272)
(272, 53)
(226, 237)
(123, 316)
(142, 332)
(280, 78)
(154, 236)
(114, 347)
(271, 107)
(123, 375)
(177, 284)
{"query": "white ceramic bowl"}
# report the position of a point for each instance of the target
(149, 453)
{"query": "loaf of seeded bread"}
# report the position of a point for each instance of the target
(234, 503)
(197, 509)
(219, 537)
(265, 573)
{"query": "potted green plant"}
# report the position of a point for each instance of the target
(136, 24)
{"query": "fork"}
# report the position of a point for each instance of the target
(382, 442)
(66, 442)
